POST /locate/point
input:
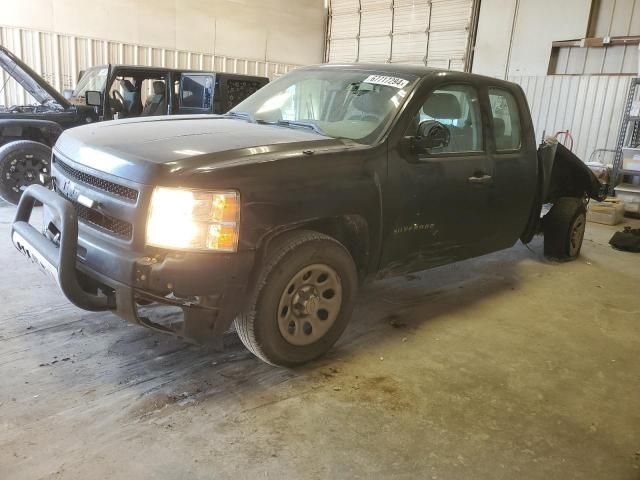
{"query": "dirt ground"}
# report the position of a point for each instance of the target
(504, 367)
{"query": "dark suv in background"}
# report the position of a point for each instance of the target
(104, 92)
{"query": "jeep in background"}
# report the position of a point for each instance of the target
(273, 214)
(105, 92)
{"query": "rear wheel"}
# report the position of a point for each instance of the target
(564, 228)
(21, 164)
(302, 302)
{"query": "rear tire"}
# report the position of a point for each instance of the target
(564, 228)
(302, 301)
(21, 163)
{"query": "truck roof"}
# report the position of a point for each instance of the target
(403, 68)
(167, 69)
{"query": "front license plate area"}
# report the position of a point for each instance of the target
(36, 257)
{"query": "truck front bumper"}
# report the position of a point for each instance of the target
(207, 288)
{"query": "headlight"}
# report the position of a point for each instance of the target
(194, 219)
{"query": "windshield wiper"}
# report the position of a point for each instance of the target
(243, 115)
(294, 124)
(280, 123)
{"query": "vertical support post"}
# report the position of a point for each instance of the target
(393, 26)
(359, 30)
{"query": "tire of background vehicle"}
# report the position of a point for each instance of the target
(564, 227)
(21, 163)
(284, 295)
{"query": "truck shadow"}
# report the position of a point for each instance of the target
(386, 311)
(422, 297)
(96, 356)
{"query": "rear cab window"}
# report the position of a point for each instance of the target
(507, 130)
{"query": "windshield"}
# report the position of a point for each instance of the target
(94, 79)
(353, 104)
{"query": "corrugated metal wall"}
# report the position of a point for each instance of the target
(426, 32)
(613, 18)
(59, 58)
(590, 107)
(617, 59)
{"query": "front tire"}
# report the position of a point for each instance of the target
(564, 228)
(21, 163)
(302, 301)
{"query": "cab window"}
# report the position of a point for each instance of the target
(458, 108)
(138, 94)
(197, 92)
(507, 130)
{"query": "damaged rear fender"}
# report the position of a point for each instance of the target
(565, 175)
(561, 174)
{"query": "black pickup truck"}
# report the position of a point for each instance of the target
(273, 214)
(103, 92)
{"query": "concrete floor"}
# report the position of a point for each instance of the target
(504, 367)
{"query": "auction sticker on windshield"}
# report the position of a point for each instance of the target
(388, 81)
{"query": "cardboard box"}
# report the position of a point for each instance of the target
(609, 212)
(631, 159)
(630, 195)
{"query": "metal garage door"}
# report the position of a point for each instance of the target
(426, 32)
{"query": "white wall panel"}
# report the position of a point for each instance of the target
(345, 26)
(285, 31)
(374, 49)
(376, 23)
(59, 58)
(409, 48)
(515, 36)
(428, 32)
(590, 107)
(446, 50)
(340, 7)
(410, 32)
(450, 15)
(343, 50)
(376, 4)
(412, 18)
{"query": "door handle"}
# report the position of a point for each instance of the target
(478, 180)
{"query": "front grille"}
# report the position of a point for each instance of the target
(119, 228)
(97, 182)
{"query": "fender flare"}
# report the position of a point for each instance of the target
(54, 130)
(351, 230)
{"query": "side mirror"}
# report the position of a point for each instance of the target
(67, 93)
(431, 134)
(93, 98)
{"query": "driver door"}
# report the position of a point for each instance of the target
(440, 198)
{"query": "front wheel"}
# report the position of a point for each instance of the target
(21, 163)
(302, 302)
(564, 228)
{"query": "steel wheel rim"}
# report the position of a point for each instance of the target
(577, 234)
(24, 171)
(309, 304)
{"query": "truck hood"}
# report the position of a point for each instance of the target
(33, 83)
(145, 149)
